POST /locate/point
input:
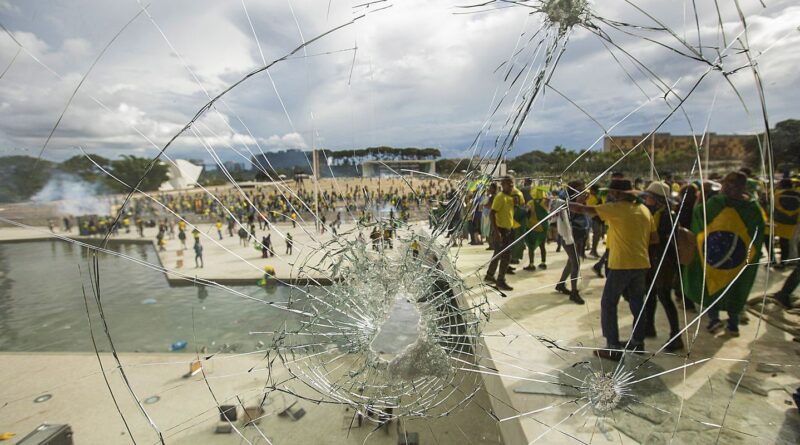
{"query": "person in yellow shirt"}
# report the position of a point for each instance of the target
(502, 222)
(219, 228)
(631, 230)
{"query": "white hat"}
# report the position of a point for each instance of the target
(659, 189)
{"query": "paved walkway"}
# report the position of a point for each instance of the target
(226, 261)
(695, 389)
(186, 410)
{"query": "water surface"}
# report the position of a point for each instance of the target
(42, 306)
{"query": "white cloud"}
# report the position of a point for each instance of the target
(422, 75)
(289, 140)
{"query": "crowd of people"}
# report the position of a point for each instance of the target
(699, 242)
(674, 244)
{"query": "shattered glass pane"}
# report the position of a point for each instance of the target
(303, 301)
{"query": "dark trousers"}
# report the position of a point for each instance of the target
(662, 291)
(543, 251)
(785, 249)
(791, 283)
(598, 229)
(632, 284)
(503, 259)
(572, 268)
(602, 262)
(770, 253)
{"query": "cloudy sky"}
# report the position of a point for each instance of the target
(418, 73)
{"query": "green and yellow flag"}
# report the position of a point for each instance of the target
(733, 239)
(538, 213)
(787, 210)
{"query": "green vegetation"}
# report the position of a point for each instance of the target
(22, 177)
(131, 170)
(785, 138)
(596, 162)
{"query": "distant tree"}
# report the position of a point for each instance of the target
(131, 169)
(449, 166)
(212, 177)
(83, 166)
(785, 139)
(22, 176)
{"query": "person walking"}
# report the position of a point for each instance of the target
(630, 232)
(267, 242)
(218, 225)
(663, 263)
(289, 243)
(198, 254)
(729, 231)
(538, 226)
(486, 225)
(502, 221)
(598, 228)
(574, 238)
(242, 236)
(182, 238)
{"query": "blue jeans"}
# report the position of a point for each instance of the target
(632, 284)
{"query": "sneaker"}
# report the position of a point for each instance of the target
(575, 297)
(608, 354)
(732, 333)
(510, 271)
(598, 270)
(543, 266)
(502, 285)
(560, 287)
(674, 345)
(489, 279)
(530, 267)
(714, 326)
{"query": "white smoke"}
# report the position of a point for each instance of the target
(74, 196)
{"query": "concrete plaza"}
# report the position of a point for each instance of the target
(535, 341)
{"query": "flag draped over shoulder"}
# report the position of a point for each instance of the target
(787, 210)
(537, 215)
(733, 238)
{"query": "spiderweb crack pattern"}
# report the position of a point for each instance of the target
(340, 346)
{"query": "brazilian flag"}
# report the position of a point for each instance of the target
(733, 239)
(787, 209)
(538, 235)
